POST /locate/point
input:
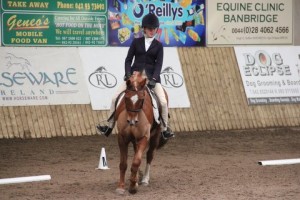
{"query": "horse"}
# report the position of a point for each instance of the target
(136, 125)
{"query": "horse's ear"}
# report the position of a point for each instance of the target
(128, 83)
(143, 83)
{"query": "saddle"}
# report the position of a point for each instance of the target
(156, 106)
(154, 101)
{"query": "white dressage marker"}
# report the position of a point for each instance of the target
(102, 161)
(280, 162)
(24, 179)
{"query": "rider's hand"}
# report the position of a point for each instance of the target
(151, 83)
(127, 76)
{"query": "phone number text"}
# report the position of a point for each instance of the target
(265, 29)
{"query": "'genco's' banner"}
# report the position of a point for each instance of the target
(182, 23)
(235, 22)
(54, 23)
(271, 75)
(82, 6)
(104, 70)
(30, 77)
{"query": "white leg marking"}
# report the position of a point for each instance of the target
(146, 177)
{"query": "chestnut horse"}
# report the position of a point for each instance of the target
(136, 125)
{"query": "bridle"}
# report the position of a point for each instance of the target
(134, 97)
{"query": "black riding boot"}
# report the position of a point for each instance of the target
(167, 134)
(104, 130)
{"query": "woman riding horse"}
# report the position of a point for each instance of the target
(136, 125)
(148, 56)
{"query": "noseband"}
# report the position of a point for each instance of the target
(134, 97)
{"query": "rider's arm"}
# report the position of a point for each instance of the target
(159, 62)
(129, 57)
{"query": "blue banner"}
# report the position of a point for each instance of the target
(182, 23)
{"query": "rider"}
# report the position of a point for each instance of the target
(148, 55)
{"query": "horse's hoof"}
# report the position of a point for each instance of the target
(132, 190)
(144, 183)
(120, 191)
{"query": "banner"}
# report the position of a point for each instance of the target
(182, 23)
(53, 30)
(296, 21)
(271, 75)
(79, 6)
(30, 77)
(104, 71)
(236, 22)
(54, 23)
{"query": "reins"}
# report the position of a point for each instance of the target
(141, 97)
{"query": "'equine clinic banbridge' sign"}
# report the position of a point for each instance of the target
(235, 22)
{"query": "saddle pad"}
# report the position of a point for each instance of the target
(155, 109)
(119, 99)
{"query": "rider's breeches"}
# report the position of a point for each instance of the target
(159, 91)
(122, 87)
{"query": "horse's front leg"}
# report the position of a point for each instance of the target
(123, 146)
(140, 148)
(154, 141)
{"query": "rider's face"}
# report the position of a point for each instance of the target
(150, 32)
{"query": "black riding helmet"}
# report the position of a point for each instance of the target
(150, 21)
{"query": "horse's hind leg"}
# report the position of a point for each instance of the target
(123, 146)
(140, 148)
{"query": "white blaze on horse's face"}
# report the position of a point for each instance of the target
(134, 98)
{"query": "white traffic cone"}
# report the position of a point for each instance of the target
(102, 161)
